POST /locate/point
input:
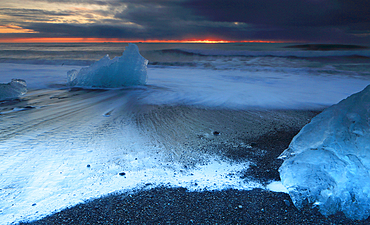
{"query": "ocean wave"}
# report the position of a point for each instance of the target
(228, 56)
(298, 54)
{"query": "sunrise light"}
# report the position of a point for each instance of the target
(13, 29)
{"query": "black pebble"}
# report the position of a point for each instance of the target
(33, 204)
(88, 165)
(253, 144)
(216, 133)
(122, 173)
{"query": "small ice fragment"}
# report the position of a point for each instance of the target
(14, 89)
(328, 162)
(276, 186)
(287, 202)
(127, 70)
(108, 114)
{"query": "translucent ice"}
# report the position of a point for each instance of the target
(14, 89)
(328, 162)
(126, 70)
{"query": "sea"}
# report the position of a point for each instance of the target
(61, 145)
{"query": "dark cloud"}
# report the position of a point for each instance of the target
(30, 12)
(36, 15)
(173, 20)
(174, 31)
(95, 2)
(292, 20)
(159, 20)
(267, 12)
(142, 19)
(76, 30)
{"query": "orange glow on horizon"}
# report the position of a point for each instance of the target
(117, 40)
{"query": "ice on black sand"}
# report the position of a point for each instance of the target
(328, 162)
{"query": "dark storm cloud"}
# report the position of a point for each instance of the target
(267, 12)
(173, 20)
(172, 31)
(293, 20)
(304, 20)
(160, 20)
(85, 31)
(142, 19)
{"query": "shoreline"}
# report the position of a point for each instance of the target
(255, 136)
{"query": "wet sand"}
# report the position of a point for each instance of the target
(258, 136)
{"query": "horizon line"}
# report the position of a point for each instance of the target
(118, 40)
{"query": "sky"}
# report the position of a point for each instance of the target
(307, 21)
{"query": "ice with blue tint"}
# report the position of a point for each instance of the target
(328, 162)
(13, 89)
(127, 70)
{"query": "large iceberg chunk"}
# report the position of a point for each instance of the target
(14, 89)
(328, 162)
(126, 70)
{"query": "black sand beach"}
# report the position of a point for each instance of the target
(177, 206)
(265, 138)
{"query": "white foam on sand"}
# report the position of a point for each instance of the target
(35, 185)
(67, 151)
